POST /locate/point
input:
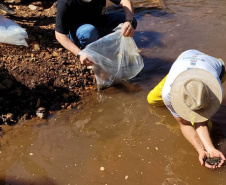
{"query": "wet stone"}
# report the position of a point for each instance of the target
(41, 112)
(8, 118)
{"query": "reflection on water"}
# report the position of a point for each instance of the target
(117, 138)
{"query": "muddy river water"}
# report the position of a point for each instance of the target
(117, 138)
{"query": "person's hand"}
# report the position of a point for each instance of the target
(214, 153)
(85, 61)
(202, 156)
(128, 30)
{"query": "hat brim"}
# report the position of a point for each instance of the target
(214, 101)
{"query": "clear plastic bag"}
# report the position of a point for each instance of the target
(115, 58)
(11, 32)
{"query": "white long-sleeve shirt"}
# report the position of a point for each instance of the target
(188, 60)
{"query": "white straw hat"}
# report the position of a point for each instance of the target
(196, 95)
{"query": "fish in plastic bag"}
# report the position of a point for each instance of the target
(115, 58)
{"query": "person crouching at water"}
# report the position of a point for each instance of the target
(81, 22)
(192, 92)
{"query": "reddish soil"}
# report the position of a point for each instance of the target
(43, 74)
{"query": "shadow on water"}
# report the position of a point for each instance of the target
(154, 71)
(153, 12)
(148, 39)
(125, 87)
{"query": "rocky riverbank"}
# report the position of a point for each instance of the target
(43, 74)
